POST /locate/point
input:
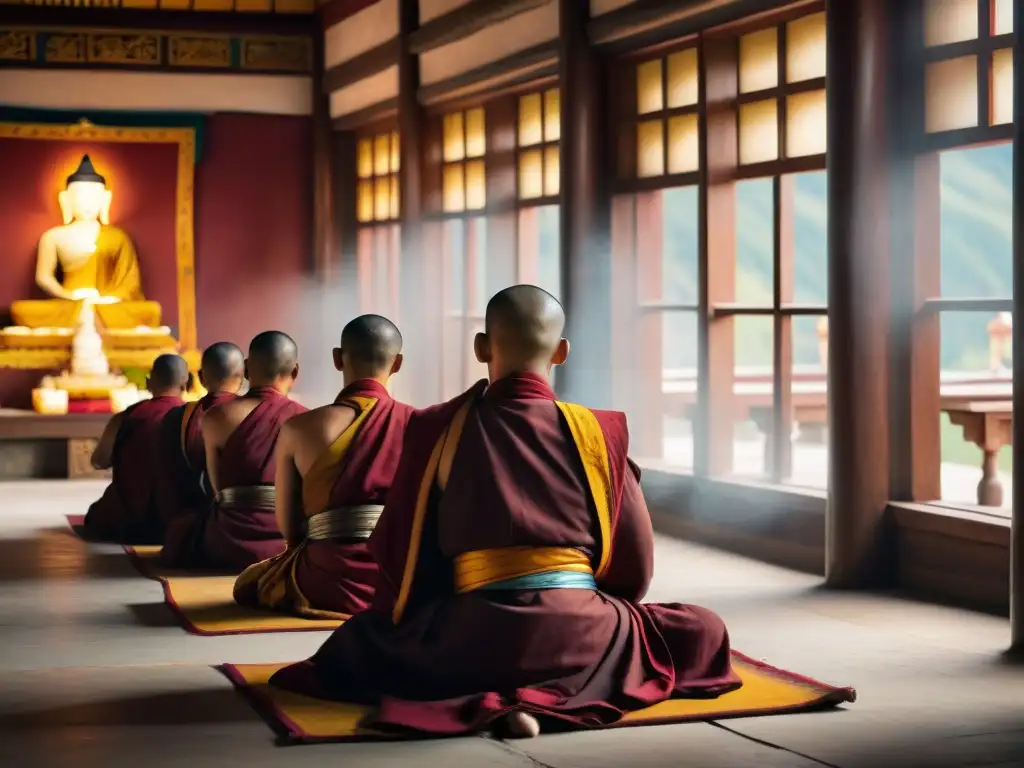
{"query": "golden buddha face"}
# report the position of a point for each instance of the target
(85, 201)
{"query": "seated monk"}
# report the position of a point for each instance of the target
(514, 551)
(334, 468)
(128, 511)
(185, 489)
(239, 528)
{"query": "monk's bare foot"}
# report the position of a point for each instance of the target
(520, 725)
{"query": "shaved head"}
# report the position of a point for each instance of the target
(222, 362)
(371, 343)
(273, 355)
(524, 324)
(169, 373)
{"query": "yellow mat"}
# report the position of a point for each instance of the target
(766, 691)
(204, 605)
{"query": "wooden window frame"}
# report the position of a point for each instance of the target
(377, 237)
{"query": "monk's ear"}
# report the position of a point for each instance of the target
(482, 348)
(245, 369)
(396, 366)
(339, 359)
(202, 380)
(295, 372)
(561, 352)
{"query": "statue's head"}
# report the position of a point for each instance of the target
(85, 196)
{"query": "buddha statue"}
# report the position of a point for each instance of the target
(87, 261)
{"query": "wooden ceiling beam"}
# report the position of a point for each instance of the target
(466, 20)
(371, 114)
(360, 67)
(534, 63)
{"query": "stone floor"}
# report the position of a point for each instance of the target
(93, 674)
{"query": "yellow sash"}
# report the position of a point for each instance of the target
(318, 481)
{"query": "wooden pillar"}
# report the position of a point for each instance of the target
(585, 214)
(1017, 531)
(325, 240)
(859, 285)
(419, 322)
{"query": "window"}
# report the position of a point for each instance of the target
(377, 214)
(464, 186)
(963, 267)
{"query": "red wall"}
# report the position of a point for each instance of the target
(253, 222)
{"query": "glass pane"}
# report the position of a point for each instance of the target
(396, 157)
(951, 94)
(364, 201)
(549, 272)
(476, 185)
(455, 257)
(809, 438)
(752, 388)
(381, 154)
(759, 132)
(364, 158)
(530, 120)
(395, 199)
(650, 149)
(759, 60)
(454, 138)
(552, 172)
(382, 199)
(975, 235)
(810, 238)
(649, 97)
(975, 352)
(950, 21)
(480, 295)
(805, 124)
(683, 147)
(552, 115)
(679, 249)
(531, 174)
(454, 190)
(805, 48)
(755, 242)
(1002, 86)
(1002, 21)
(682, 78)
(679, 385)
(476, 133)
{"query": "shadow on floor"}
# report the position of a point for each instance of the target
(59, 554)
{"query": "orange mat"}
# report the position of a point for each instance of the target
(766, 691)
(204, 605)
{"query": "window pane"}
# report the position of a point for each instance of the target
(755, 242)
(476, 133)
(752, 388)
(976, 242)
(810, 238)
(530, 120)
(552, 115)
(759, 60)
(531, 175)
(480, 295)
(679, 217)
(683, 146)
(1002, 22)
(549, 267)
(679, 385)
(455, 256)
(1002, 86)
(759, 132)
(682, 78)
(364, 158)
(950, 21)
(382, 199)
(650, 149)
(364, 201)
(395, 198)
(476, 185)
(805, 48)
(649, 97)
(951, 94)
(809, 438)
(805, 124)
(454, 138)
(396, 157)
(454, 191)
(382, 154)
(552, 171)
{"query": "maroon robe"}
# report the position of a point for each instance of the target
(233, 538)
(129, 509)
(184, 488)
(446, 663)
(328, 578)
